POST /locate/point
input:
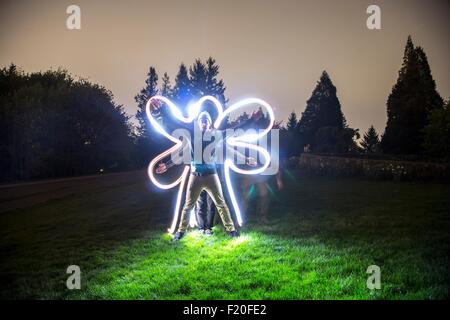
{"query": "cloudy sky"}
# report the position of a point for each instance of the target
(272, 49)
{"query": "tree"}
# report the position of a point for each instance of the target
(203, 80)
(323, 111)
(150, 89)
(166, 87)
(292, 123)
(289, 135)
(370, 141)
(410, 103)
(214, 86)
(52, 125)
(197, 79)
(182, 89)
(334, 140)
(437, 133)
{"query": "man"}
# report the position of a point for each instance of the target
(204, 177)
(205, 212)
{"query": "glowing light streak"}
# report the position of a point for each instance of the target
(245, 141)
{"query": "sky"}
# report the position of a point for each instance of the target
(271, 49)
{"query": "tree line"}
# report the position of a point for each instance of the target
(418, 120)
(53, 125)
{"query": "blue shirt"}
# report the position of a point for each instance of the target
(200, 165)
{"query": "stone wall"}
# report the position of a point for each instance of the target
(375, 169)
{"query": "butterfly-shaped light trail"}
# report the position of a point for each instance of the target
(246, 141)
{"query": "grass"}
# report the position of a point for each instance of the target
(321, 237)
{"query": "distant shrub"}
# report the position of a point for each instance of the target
(371, 168)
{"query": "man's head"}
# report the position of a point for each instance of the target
(204, 121)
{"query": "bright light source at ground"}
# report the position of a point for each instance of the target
(236, 242)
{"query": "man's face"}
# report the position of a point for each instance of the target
(205, 123)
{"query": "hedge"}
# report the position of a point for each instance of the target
(374, 169)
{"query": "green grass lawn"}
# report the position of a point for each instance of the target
(321, 237)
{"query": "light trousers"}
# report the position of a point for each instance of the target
(211, 184)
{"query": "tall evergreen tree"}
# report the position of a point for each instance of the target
(197, 78)
(150, 89)
(145, 142)
(214, 86)
(292, 123)
(412, 99)
(166, 87)
(204, 81)
(182, 89)
(370, 141)
(323, 109)
(289, 136)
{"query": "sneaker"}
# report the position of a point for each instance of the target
(233, 234)
(178, 236)
(201, 230)
(208, 232)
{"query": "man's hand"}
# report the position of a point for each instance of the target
(251, 162)
(155, 107)
(161, 168)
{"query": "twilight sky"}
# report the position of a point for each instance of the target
(272, 49)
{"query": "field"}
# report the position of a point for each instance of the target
(321, 236)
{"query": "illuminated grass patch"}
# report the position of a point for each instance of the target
(253, 266)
